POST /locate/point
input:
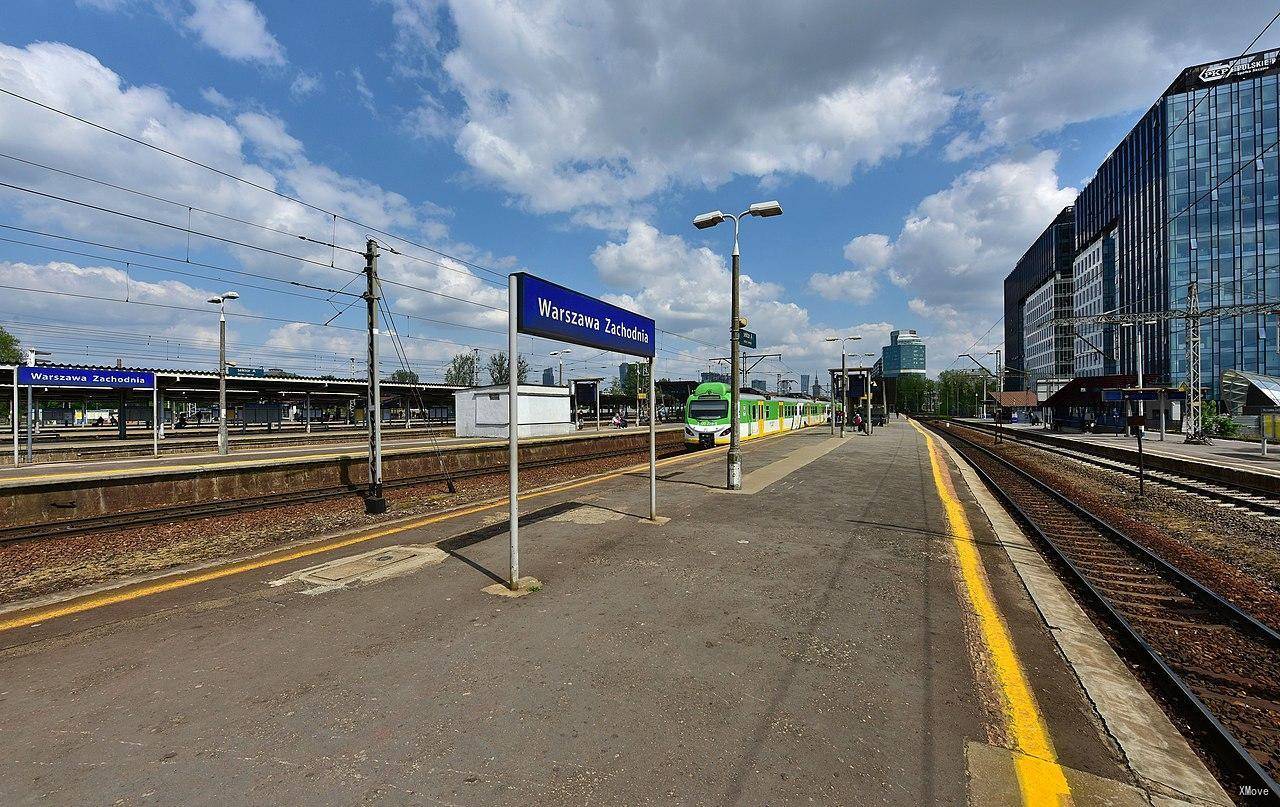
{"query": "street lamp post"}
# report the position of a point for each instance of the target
(844, 378)
(221, 302)
(559, 354)
(867, 391)
(702, 222)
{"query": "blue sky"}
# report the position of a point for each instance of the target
(916, 150)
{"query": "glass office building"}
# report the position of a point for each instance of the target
(905, 354)
(1094, 292)
(1048, 344)
(1191, 193)
(1049, 256)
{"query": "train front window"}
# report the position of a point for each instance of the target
(708, 410)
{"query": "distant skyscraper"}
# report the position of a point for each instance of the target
(723, 378)
(758, 384)
(549, 377)
(623, 369)
(903, 355)
(804, 383)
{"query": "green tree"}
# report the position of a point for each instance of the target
(911, 393)
(959, 392)
(498, 368)
(403, 377)
(10, 350)
(635, 380)
(462, 371)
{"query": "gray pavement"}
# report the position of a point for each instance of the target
(1226, 452)
(805, 643)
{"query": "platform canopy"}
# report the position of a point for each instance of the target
(1247, 393)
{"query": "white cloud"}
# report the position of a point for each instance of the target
(267, 134)
(305, 84)
(253, 145)
(216, 99)
(855, 285)
(686, 289)
(236, 29)
(604, 103)
(96, 282)
(957, 245)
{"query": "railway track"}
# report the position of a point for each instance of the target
(215, 508)
(1216, 663)
(1241, 497)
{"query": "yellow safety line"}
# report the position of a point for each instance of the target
(94, 601)
(1040, 777)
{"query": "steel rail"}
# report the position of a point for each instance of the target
(1239, 758)
(94, 524)
(1189, 483)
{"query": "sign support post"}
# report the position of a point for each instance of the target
(513, 429)
(155, 421)
(653, 448)
(14, 413)
(540, 308)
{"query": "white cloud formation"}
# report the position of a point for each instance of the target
(236, 29)
(253, 145)
(686, 289)
(305, 84)
(957, 245)
(268, 136)
(602, 103)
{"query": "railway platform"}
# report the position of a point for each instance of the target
(1225, 452)
(862, 624)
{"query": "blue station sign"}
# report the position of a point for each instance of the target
(551, 311)
(76, 377)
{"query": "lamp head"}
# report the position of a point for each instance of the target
(230, 295)
(765, 209)
(708, 219)
(215, 300)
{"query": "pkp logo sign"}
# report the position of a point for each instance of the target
(1216, 72)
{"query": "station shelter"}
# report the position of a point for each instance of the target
(1081, 405)
(1017, 406)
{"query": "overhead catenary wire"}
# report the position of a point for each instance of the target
(227, 174)
(236, 242)
(334, 215)
(216, 267)
(241, 314)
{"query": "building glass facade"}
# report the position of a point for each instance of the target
(1051, 254)
(1223, 231)
(905, 353)
(1094, 292)
(1047, 342)
(1191, 194)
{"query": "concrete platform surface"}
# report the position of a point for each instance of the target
(1225, 452)
(812, 641)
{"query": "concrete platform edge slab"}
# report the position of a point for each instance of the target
(1155, 751)
(778, 470)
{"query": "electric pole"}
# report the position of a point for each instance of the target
(374, 504)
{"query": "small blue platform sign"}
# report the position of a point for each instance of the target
(78, 377)
(554, 312)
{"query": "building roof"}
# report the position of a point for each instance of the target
(1083, 390)
(1015, 399)
(1241, 389)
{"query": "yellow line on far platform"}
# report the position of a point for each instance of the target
(90, 602)
(1040, 777)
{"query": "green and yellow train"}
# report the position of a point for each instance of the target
(706, 414)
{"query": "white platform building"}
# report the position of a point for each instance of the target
(483, 411)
